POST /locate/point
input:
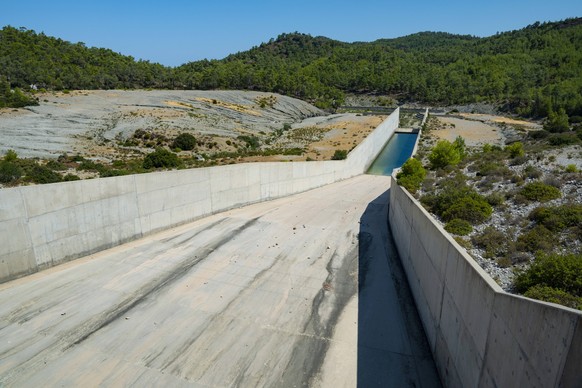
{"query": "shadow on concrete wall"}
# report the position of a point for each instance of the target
(392, 346)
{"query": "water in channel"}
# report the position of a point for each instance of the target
(394, 154)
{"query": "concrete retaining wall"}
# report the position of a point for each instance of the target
(41, 226)
(479, 335)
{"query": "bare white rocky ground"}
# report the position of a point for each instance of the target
(78, 121)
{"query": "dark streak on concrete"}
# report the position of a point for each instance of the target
(82, 332)
(153, 288)
(364, 263)
(309, 351)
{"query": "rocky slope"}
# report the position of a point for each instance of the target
(82, 121)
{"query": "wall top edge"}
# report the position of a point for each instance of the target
(484, 275)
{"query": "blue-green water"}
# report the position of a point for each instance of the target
(394, 154)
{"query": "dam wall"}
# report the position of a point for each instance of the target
(480, 336)
(45, 225)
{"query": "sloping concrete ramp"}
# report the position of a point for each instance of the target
(301, 291)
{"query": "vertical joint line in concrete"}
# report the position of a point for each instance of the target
(27, 227)
(484, 360)
(139, 215)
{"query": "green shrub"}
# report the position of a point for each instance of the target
(161, 158)
(474, 209)
(184, 141)
(557, 218)
(539, 238)
(515, 149)
(11, 156)
(519, 160)
(14, 98)
(459, 145)
(457, 200)
(554, 295)
(493, 241)
(563, 272)
(411, 175)
(563, 139)
(444, 154)
(90, 165)
(56, 165)
(538, 135)
(503, 262)
(557, 121)
(496, 199)
(112, 172)
(571, 168)
(71, 177)
(464, 243)
(458, 227)
(9, 172)
(251, 142)
(539, 191)
(497, 168)
(339, 155)
(532, 172)
(42, 174)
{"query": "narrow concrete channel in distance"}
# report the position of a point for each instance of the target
(394, 154)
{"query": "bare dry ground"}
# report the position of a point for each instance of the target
(102, 125)
(478, 129)
(322, 136)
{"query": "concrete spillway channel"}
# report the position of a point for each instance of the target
(305, 290)
(299, 291)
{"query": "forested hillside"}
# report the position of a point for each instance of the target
(533, 71)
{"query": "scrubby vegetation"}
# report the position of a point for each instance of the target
(161, 158)
(518, 214)
(14, 98)
(454, 199)
(554, 278)
(411, 175)
(185, 142)
(459, 227)
(539, 191)
(446, 153)
(533, 71)
(339, 155)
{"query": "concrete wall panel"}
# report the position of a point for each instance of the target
(538, 330)
(428, 285)
(483, 337)
(445, 363)
(472, 295)
(429, 237)
(11, 206)
(17, 255)
(571, 373)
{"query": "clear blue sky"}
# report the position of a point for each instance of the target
(179, 31)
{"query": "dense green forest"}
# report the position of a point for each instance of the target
(533, 72)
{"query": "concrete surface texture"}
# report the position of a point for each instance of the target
(479, 335)
(41, 226)
(265, 295)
